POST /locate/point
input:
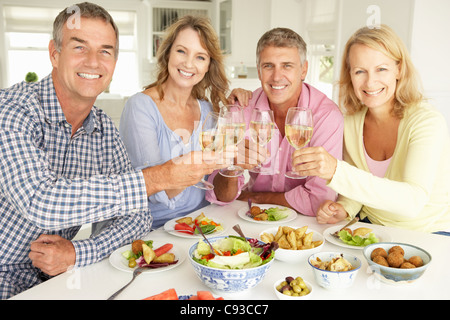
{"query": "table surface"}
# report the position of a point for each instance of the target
(100, 280)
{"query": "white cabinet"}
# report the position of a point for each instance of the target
(164, 13)
(249, 20)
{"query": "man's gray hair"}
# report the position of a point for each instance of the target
(281, 38)
(72, 15)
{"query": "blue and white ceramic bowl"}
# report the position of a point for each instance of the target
(227, 280)
(397, 276)
(335, 279)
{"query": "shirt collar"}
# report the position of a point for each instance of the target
(53, 111)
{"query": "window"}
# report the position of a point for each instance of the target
(28, 32)
(321, 68)
(322, 19)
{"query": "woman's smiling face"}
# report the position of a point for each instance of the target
(374, 76)
(189, 60)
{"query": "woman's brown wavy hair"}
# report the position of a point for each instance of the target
(386, 41)
(215, 82)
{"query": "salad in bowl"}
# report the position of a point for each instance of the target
(237, 264)
(233, 253)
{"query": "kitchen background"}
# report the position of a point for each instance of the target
(25, 28)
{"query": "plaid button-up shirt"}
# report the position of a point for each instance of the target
(52, 183)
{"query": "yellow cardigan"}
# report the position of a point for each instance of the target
(415, 192)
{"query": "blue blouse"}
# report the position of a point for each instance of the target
(150, 142)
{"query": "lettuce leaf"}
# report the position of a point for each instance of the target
(203, 248)
(232, 244)
(275, 214)
(347, 238)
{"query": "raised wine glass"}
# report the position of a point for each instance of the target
(261, 129)
(234, 134)
(298, 130)
(212, 139)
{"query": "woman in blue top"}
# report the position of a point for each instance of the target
(164, 121)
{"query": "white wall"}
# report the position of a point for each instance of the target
(430, 50)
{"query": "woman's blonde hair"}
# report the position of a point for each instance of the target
(386, 41)
(215, 80)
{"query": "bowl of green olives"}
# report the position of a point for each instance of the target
(290, 288)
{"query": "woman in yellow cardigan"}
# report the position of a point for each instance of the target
(396, 168)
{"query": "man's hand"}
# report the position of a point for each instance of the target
(250, 154)
(276, 198)
(52, 254)
(241, 96)
(184, 171)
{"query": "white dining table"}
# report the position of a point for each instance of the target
(98, 281)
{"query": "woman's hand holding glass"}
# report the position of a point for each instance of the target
(314, 161)
(298, 131)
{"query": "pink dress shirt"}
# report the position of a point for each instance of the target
(304, 195)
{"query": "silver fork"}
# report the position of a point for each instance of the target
(336, 234)
(136, 272)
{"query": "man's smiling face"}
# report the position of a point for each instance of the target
(281, 73)
(84, 66)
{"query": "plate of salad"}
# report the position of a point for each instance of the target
(186, 226)
(357, 237)
(235, 253)
(164, 257)
(267, 213)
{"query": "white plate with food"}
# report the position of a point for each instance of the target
(364, 232)
(120, 262)
(281, 214)
(188, 231)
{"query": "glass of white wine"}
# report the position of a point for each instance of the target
(261, 129)
(234, 134)
(212, 139)
(298, 130)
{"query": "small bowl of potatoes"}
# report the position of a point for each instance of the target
(295, 244)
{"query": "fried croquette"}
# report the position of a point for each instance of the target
(255, 210)
(395, 259)
(380, 260)
(136, 246)
(378, 252)
(407, 265)
(397, 248)
(416, 261)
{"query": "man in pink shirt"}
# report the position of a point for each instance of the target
(282, 68)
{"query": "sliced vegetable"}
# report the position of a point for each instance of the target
(205, 295)
(169, 294)
(206, 228)
(163, 249)
(183, 227)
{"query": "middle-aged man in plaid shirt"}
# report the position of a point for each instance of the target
(62, 163)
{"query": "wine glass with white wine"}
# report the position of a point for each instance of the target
(298, 130)
(234, 134)
(261, 129)
(212, 139)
